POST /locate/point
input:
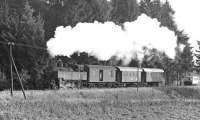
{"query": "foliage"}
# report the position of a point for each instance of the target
(182, 38)
(163, 12)
(114, 60)
(197, 55)
(134, 63)
(77, 58)
(21, 26)
(187, 59)
(70, 12)
(153, 58)
(124, 11)
(184, 57)
(84, 58)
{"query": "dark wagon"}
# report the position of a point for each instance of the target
(68, 78)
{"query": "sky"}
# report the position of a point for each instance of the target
(105, 40)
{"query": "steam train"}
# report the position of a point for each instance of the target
(109, 76)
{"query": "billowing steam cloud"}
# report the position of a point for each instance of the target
(108, 39)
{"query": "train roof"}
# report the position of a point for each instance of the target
(124, 69)
(100, 66)
(63, 69)
(153, 70)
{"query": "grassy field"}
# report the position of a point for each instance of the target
(171, 103)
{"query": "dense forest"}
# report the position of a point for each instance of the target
(33, 23)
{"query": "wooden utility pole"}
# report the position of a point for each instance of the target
(12, 63)
(11, 69)
(20, 80)
(138, 76)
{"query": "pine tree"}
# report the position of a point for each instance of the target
(187, 59)
(197, 61)
(184, 58)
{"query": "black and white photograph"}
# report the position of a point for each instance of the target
(99, 60)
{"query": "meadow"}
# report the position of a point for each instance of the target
(166, 103)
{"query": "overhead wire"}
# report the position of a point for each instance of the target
(29, 46)
(5, 43)
(22, 45)
(25, 45)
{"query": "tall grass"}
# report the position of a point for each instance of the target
(122, 103)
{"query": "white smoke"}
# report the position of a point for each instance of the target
(108, 39)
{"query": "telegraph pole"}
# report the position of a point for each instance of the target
(139, 66)
(20, 80)
(12, 63)
(11, 69)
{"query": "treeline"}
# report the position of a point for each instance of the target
(71, 12)
(33, 22)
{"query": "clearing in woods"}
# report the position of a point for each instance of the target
(171, 103)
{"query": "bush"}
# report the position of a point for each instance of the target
(188, 83)
(3, 85)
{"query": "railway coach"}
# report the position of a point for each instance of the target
(153, 77)
(129, 76)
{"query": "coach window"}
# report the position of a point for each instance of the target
(100, 75)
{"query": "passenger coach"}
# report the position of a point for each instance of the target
(128, 76)
(153, 77)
